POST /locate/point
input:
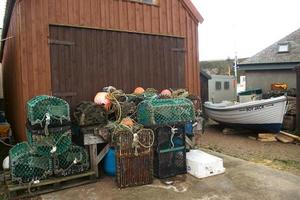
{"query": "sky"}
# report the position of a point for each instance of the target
(2, 11)
(244, 26)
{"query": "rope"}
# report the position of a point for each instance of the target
(4, 143)
(60, 118)
(112, 96)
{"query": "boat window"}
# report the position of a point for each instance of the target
(218, 85)
(226, 85)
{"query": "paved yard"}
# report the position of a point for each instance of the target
(242, 180)
(275, 154)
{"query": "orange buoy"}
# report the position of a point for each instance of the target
(139, 90)
(127, 122)
(101, 99)
(166, 92)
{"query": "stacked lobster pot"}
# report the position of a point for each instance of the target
(134, 157)
(90, 118)
(49, 148)
(167, 118)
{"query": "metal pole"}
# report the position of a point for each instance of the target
(235, 75)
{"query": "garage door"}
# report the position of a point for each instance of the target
(83, 61)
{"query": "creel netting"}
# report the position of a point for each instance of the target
(157, 112)
(26, 166)
(40, 106)
(74, 160)
(57, 141)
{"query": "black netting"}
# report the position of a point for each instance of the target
(170, 162)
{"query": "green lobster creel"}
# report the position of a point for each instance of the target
(39, 107)
(58, 141)
(159, 112)
(74, 161)
(26, 166)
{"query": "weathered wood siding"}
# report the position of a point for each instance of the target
(27, 56)
(85, 60)
(298, 101)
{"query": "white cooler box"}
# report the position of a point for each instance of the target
(201, 164)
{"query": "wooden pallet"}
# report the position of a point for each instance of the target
(18, 191)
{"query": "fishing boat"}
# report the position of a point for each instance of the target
(263, 115)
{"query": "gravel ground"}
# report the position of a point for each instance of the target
(275, 154)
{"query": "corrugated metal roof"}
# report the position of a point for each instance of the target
(271, 54)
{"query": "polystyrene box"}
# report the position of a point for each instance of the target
(201, 164)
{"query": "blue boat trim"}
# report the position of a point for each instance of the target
(273, 128)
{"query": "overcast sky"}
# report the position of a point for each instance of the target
(2, 10)
(242, 26)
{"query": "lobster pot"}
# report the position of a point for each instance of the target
(56, 141)
(43, 108)
(160, 112)
(73, 161)
(134, 163)
(26, 166)
(169, 137)
(78, 133)
(170, 162)
(89, 114)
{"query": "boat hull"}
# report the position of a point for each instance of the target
(263, 115)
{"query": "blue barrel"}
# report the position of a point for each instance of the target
(109, 164)
(188, 128)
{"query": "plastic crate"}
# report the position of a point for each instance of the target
(4, 130)
(160, 112)
(41, 107)
(134, 164)
(56, 142)
(169, 137)
(73, 161)
(170, 162)
(26, 166)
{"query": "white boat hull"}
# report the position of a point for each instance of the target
(264, 115)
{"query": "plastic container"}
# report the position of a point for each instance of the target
(202, 165)
(109, 164)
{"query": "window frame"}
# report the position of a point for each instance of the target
(218, 83)
(283, 45)
(226, 85)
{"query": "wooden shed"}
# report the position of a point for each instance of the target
(73, 48)
(204, 78)
(297, 100)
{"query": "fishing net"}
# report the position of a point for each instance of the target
(129, 142)
(170, 162)
(26, 166)
(169, 137)
(134, 157)
(57, 141)
(73, 161)
(89, 113)
(47, 110)
(157, 112)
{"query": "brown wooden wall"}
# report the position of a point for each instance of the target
(26, 58)
(298, 101)
(83, 61)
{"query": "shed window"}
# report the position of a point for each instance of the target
(226, 85)
(153, 2)
(218, 85)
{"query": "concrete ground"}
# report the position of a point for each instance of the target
(242, 180)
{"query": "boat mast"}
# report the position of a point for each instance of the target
(235, 74)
